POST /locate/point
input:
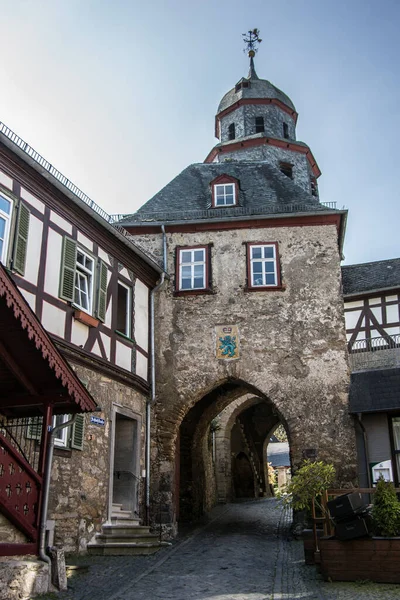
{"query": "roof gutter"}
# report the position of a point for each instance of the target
(71, 196)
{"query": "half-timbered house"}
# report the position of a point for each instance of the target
(86, 287)
(372, 312)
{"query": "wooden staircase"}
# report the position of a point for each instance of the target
(124, 536)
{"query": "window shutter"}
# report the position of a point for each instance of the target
(68, 266)
(21, 239)
(102, 292)
(34, 429)
(78, 429)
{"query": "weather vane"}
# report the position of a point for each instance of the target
(251, 39)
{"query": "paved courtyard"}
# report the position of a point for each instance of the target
(244, 552)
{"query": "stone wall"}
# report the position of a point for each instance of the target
(274, 156)
(9, 533)
(244, 118)
(292, 346)
(23, 578)
(80, 479)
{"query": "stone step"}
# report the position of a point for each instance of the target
(128, 522)
(111, 538)
(124, 528)
(124, 548)
(121, 514)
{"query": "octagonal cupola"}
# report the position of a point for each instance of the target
(255, 106)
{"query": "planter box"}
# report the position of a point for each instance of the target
(373, 559)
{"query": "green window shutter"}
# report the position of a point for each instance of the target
(34, 428)
(102, 292)
(21, 239)
(77, 434)
(68, 266)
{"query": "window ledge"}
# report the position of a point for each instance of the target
(124, 336)
(85, 318)
(265, 288)
(193, 292)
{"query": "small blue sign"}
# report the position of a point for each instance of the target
(97, 421)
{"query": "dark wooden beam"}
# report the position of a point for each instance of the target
(16, 370)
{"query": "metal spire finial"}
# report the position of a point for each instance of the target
(252, 39)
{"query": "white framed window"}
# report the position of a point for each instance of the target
(124, 309)
(84, 277)
(6, 207)
(263, 268)
(61, 436)
(192, 269)
(224, 194)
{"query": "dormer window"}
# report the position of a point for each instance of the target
(224, 191)
(259, 124)
(286, 169)
(231, 131)
(286, 131)
(224, 194)
(242, 84)
(314, 187)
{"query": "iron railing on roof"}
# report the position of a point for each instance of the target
(375, 353)
(38, 158)
(213, 213)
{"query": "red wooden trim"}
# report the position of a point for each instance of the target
(85, 318)
(220, 181)
(260, 141)
(34, 330)
(15, 518)
(47, 422)
(19, 458)
(263, 288)
(254, 101)
(18, 549)
(204, 290)
(268, 223)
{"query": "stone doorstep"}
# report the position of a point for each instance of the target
(125, 537)
(125, 522)
(121, 514)
(124, 548)
(118, 529)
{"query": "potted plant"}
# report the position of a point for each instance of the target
(374, 558)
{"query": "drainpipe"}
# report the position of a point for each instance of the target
(46, 489)
(152, 398)
(366, 453)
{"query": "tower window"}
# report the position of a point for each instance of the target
(259, 124)
(286, 130)
(314, 186)
(286, 169)
(231, 131)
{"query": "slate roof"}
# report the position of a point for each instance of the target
(259, 88)
(375, 391)
(263, 190)
(367, 277)
(278, 454)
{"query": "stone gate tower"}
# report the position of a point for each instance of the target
(252, 314)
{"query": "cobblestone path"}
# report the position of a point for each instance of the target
(243, 553)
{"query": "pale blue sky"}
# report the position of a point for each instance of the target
(121, 96)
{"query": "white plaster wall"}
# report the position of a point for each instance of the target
(141, 366)
(30, 298)
(79, 333)
(61, 222)
(106, 343)
(104, 256)
(33, 250)
(53, 319)
(32, 200)
(123, 356)
(96, 349)
(124, 273)
(84, 241)
(392, 313)
(6, 180)
(53, 262)
(141, 333)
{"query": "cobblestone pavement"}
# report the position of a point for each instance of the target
(244, 552)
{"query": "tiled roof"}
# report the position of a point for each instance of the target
(366, 277)
(375, 391)
(278, 454)
(263, 190)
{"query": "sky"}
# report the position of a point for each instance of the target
(121, 96)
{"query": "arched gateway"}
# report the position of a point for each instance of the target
(253, 303)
